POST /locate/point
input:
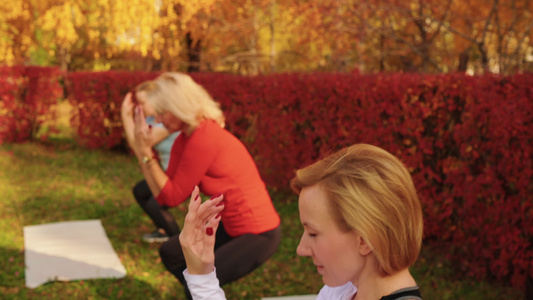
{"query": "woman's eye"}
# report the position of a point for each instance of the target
(312, 234)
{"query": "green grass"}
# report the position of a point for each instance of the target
(57, 181)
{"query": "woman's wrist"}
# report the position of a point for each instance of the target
(144, 155)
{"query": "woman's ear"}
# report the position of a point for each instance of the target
(364, 247)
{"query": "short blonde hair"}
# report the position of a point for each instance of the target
(372, 192)
(180, 95)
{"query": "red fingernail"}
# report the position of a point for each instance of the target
(217, 216)
(220, 203)
(196, 198)
(209, 231)
(150, 126)
(216, 196)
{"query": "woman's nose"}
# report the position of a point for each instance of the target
(302, 250)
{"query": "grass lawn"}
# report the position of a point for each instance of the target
(57, 181)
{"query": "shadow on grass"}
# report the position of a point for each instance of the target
(12, 284)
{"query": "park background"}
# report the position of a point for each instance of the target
(444, 85)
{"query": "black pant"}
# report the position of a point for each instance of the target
(235, 257)
(160, 215)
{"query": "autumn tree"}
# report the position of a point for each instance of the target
(263, 36)
(16, 32)
(495, 34)
(442, 36)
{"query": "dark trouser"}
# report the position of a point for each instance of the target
(235, 257)
(160, 215)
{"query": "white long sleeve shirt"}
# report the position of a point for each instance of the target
(207, 287)
(204, 286)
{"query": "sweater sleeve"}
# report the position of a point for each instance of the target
(204, 286)
(195, 159)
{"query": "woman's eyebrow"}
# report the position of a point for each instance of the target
(307, 225)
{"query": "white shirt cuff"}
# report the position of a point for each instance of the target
(205, 286)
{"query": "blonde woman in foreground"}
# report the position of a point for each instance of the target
(362, 228)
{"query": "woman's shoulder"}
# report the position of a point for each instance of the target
(410, 293)
(208, 126)
(212, 131)
(208, 134)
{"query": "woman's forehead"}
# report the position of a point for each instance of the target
(141, 97)
(314, 205)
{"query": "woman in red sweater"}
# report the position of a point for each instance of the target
(208, 156)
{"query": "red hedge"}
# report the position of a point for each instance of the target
(27, 94)
(96, 98)
(466, 140)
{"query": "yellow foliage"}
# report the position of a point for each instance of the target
(286, 35)
(6, 55)
(12, 10)
(132, 24)
(14, 27)
(61, 20)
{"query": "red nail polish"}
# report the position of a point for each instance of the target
(196, 198)
(221, 203)
(209, 231)
(217, 216)
(150, 126)
(216, 196)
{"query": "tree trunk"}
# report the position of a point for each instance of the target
(272, 37)
(63, 58)
(254, 64)
(463, 60)
(381, 53)
(484, 57)
(193, 53)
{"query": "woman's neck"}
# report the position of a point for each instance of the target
(374, 286)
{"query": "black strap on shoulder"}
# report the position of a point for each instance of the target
(399, 295)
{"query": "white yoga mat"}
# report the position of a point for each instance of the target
(72, 250)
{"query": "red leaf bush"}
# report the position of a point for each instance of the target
(96, 98)
(27, 95)
(466, 141)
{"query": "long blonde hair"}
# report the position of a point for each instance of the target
(372, 192)
(180, 95)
